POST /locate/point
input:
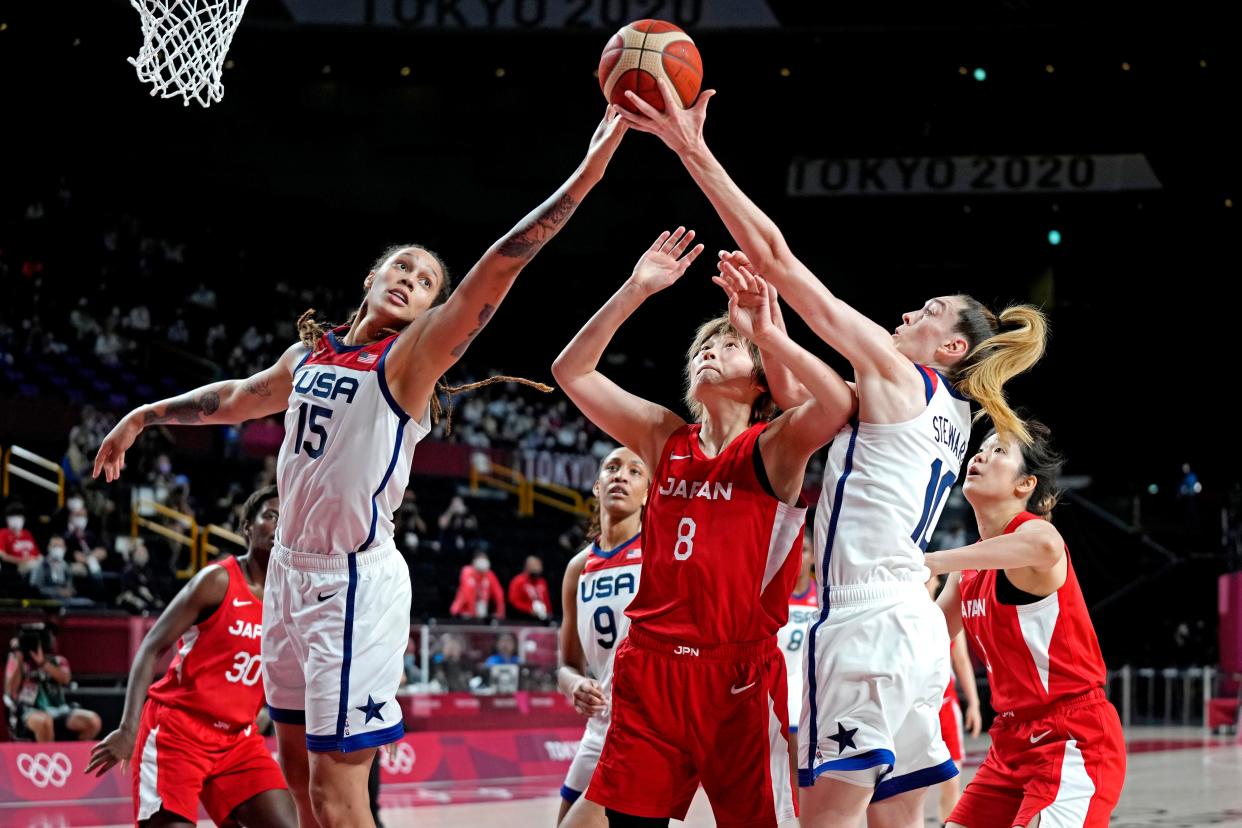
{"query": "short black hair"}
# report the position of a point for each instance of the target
(255, 502)
(14, 508)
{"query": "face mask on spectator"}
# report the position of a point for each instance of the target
(75, 504)
(482, 564)
(15, 522)
(165, 468)
(56, 553)
(78, 522)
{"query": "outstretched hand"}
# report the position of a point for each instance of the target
(607, 137)
(665, 261)
(111, 456)
(679, 128)
(752, 303)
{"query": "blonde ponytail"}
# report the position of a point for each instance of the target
(1015, 342)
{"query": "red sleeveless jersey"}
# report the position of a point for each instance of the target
(721, 552)
(217, 672)
(1036, 654)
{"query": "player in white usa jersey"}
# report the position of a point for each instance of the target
(337, 606)
(599, 583)
(877, 656)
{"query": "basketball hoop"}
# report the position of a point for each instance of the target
(184, 43)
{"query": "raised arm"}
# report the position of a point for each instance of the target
(783, 385)
(425, 351)
(795, 435)
(867, 346)
(194, 603)
(221, 403)
(571, 678)
(638, 424)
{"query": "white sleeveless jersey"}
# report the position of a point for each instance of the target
(608, 583)
(884, 488)
(345, 459)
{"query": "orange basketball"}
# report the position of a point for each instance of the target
(643, 51)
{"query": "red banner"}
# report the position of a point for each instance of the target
(34, 777)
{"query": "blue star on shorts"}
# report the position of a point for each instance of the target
(372, 709)
(844, 737)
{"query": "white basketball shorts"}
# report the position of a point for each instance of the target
(335, 629)
(877, 665)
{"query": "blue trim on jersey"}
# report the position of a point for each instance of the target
(953, 392)
(287, 716)
(825, 594)
(375, 738)
(321, 744)
(302, 361)
(392, 464)
(569, 794)
(918, 779)
(927, 382)
(348, 651)
(342, 348)
(383, 384)
(798, 596)
(861, 761)
(600, 553)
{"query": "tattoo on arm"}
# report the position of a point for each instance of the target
(258, 387)
(484, 315)
(525, 241)
(187, 410)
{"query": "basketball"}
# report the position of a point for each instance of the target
(645, 50)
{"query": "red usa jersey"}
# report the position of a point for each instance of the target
(721, 551)
(345, 459)
(1036, 654)
(607, 585)
(216, 672)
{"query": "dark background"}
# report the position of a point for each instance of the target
(306, 175)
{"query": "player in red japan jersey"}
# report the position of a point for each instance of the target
(699, 687)
(1058, 754)
(191, 736)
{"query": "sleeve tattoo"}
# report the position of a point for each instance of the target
(524, 242)
(484, 315)
(258, 387)
(187, 410)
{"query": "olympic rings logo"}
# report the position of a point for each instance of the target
(43, 770)
(401, 762)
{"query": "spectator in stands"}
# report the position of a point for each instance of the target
(459, 529)
(139, 593)
(203, 296)
(178, 333)
(528, 592)
(35, 679)
(108, 346)
(505, 651)
(17, 546)
(479, 594)
(448, 669)
(410, 663)
(79, 536)
(52, 577)
(408, 524)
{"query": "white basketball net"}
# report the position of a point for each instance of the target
(184, 43)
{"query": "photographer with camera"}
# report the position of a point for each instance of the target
(35, 678)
